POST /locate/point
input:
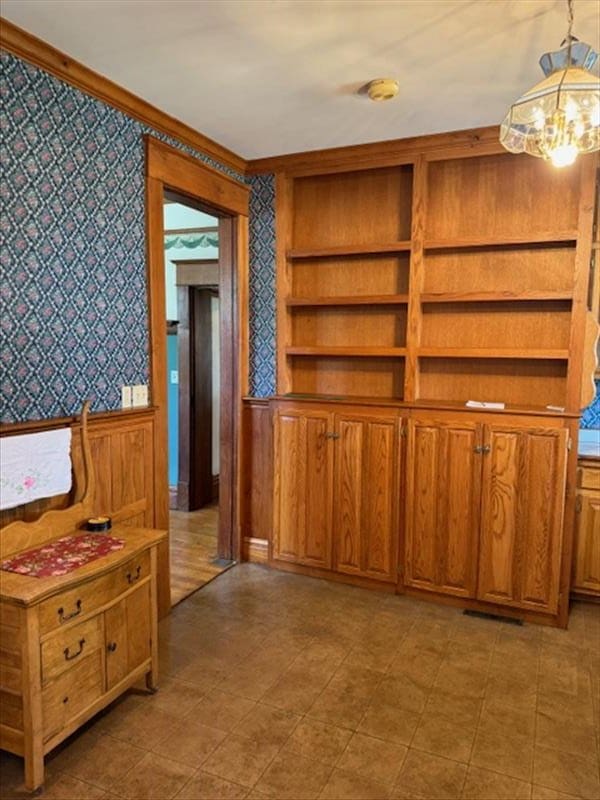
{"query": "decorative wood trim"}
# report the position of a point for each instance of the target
(166, 168)
(583, 254)
(95, 419)
(28, 47)
(283, 241)
(255, 550)
(481, 141)
(177, 170)
(415, 280)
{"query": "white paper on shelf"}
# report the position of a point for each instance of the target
(555, 408)
(480, 404)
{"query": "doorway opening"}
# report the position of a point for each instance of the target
(193, 333)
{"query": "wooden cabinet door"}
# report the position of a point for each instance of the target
(587, 543)
(523, 491)
(127, 626)
(303, 473)
(366, 496)
(443, 506)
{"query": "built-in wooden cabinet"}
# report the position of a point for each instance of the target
(365, 495)
(303, 472)
(442, 505)
(337, 489)
(429, 274)
(586, 572)
(523, 494)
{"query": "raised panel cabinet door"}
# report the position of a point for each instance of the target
(523, 491)
(442, 506)
(127, 634)
(366, 496)
(587, 552)
(303, 487)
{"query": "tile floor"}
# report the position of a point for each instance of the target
(280, 686)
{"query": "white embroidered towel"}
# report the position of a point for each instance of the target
(33, 466)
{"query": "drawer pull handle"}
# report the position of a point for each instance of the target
(64, 617)
(70, 656)
(133, 578)
(111, 647)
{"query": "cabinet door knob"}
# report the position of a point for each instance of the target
(331, 435)
(111, 647)
(70, 656)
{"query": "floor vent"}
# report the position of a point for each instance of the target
(496, 617)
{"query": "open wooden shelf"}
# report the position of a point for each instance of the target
(484, 352)
(544, 237)
(360, 352)
(350, 300)
(350, 250)
(493, 297)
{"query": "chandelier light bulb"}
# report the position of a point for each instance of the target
(560, 116)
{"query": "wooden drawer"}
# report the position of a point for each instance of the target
(72, 692)
(65, 607)
(66, 647)
(588, 478)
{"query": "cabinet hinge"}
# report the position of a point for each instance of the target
(569, 444)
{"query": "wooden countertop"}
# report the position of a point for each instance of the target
(26, 590)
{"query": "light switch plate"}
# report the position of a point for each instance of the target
(174, 376)
(139, 395)
(125, 396)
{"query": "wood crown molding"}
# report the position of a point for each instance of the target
(28, 47)
(375, 154)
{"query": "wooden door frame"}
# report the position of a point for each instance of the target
(169, 169)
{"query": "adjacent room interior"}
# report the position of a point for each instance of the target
(300, 400)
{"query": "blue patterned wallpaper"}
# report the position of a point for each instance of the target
(591, 415)
(262, 286)
(73, 320)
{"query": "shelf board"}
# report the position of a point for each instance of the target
(544, 237)
(488, 352)
(350, 250)
(492, 297)
(373, 352)
(350, 300)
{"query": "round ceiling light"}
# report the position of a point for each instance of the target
(383, 89)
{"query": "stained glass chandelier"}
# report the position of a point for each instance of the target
(560, 116)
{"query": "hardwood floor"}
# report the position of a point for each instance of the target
(193, 550)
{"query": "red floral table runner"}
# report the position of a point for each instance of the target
(63, 555)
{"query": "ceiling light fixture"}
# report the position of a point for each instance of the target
(560, 116)
(382, 89)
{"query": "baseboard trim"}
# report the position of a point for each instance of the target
(255, 550)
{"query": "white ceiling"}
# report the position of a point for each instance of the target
(265, 77)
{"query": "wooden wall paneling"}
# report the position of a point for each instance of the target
(585, 220)
(333, 210)
(482, 198)
(442, 506)
(526, 383)
(416, 280)
(355, 275)
(524, 479)
(366, 492)
(256, 472)
(284, 198)
(456, 273)
(28, 47)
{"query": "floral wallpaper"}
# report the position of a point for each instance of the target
(73, 320)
